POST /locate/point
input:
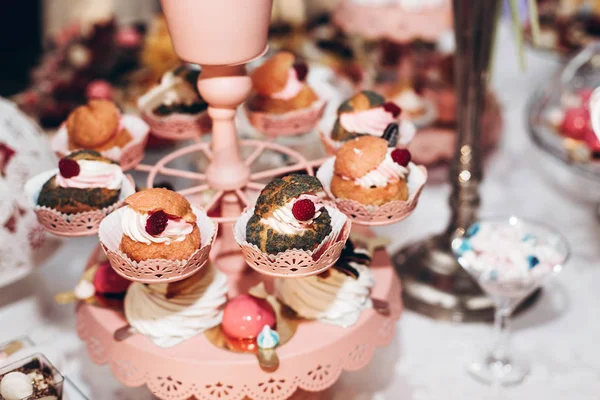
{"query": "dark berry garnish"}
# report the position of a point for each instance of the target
(392, 108)
(391, 134)
(157, 223)
(401, 157)
(303, 210)
(68, 168)
(301, 70)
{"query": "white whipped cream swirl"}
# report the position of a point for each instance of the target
(133, 225)
(93, 174)
(387, 172)
(282, 219)
(170, 321)
(337, 299)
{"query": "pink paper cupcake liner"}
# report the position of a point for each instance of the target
(178, 126)
(155, 270)
(296, 263)
(289, 124)
(128, 156)
(81, 224)
(387, 214)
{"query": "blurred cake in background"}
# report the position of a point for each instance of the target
(567, 25)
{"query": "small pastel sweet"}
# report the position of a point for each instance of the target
(289, 214)
(366, 170)
(108, 282)
(86, 181)
(96, 126)
(506, 257)
(267, 338)
(245, 316)
(16, 386)
(159, 224)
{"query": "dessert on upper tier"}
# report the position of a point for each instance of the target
(96, 126)
(280, 86)
(368, 171)
(85, 181)
(159, 223)
(289, 214)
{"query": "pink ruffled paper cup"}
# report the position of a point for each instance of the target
(81, 224)
(178, 126)
(294, 263)
(369, 215)
(407, 133)
(291, 123)
(128, 156)
(155, 270)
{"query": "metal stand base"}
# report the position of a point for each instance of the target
(434, 284)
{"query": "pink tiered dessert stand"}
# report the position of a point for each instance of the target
(222, 36)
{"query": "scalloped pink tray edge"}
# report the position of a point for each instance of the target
(312, 361)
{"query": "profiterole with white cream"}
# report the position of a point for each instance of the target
(370, 172)
(159, 224)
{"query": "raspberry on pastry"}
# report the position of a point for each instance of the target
(96, 126)
(280, 86)
(366, 170)
(159, 223)
(365, 113)
(86, 181)
(283, 218)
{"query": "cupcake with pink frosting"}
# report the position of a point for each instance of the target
(86, 181)
(366, 113)
(283, 103)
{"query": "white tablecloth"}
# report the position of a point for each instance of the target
(426, 360)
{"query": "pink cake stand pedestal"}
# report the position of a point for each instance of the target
(311, 362)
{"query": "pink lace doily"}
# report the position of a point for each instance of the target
(178, 127)
(288, 124)
(312, 361)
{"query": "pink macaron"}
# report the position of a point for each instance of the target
(245, 316)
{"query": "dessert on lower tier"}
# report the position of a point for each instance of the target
(174, 108)
(99, 125)
(289, 214)
(337, 296)
(32, 378)
(283, 103)
(170, 313)
(159, 223)
(368, 171)
(245, 317)
(85, 181)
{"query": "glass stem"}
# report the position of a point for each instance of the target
(501, 350)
